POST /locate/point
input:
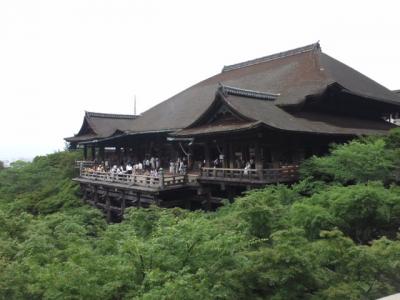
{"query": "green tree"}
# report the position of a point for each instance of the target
(356, 161)
(334, 235)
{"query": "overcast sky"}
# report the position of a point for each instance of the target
(60, 58)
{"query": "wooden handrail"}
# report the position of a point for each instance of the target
(134, 179)
(282, 174)
(253, 170)
(79, 164)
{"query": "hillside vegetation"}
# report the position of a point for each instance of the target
(334, 235)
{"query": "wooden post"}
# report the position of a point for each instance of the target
(188, 204)
(258, 160)
(162, 183)
(85, 152)
(208, 196)
(108, 207)
(96, 195)
(85, 193)
(118, 152)
(156, 200)
(123, 203)
(230, 194)
(207, 154)
(139, 203)
(231, 156)
(102, 153)
(225, 154)
(93, 150)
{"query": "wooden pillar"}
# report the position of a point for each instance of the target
(95, 195)
(188, 204)
(156, 200)
(108, 207)
(258, 159)
(123, 203)
(208, 198)
(139, 203)
(102, 153)
(93, 152)
(225, 154)
(85, 152)
(118, 152)
(85, 193)
(230, 194)
(244, 150)
(231, 156)
(161, 178)
(207, 154)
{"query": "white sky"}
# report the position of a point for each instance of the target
(60, 58)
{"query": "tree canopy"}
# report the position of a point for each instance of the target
(333, 235)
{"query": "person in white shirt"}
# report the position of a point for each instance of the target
(129, 168)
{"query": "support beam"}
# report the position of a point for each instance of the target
(208, 199)
(225, 154)
(258, 159)
(188, 204)
(108, 207)
(231, 156)
(207, 154)
(118, 152)
(95, 195)
(123, 203)
(157, 200)
(102, 153)
(85, 156)
(231, 193)
(93, 152)
(85, 193)
(139, 203)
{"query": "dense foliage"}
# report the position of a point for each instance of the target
(334, 235)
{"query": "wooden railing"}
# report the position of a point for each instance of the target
(80, 164)
(260, 176)
(282, 174)
(160, 181)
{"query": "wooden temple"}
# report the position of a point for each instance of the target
(248, 126)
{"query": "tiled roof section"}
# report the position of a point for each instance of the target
(307, 122)
(272, 57)
(109, 116)
(396, 91)
(229, 90)
(219, 128)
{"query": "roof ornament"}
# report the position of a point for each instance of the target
(221, 89)
(234, 91)
(91, 114)
(317, 46)
(279, 55)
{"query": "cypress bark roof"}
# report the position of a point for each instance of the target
(101, 125)
(291, 76)
(263, 89)
(259, 112)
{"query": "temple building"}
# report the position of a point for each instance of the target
(250, 125)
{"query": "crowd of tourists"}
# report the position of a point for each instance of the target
(148, 167)
(152, 166)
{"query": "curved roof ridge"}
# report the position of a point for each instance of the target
(230, 90)
(91, 114)
(279, 55)
(354, 81)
